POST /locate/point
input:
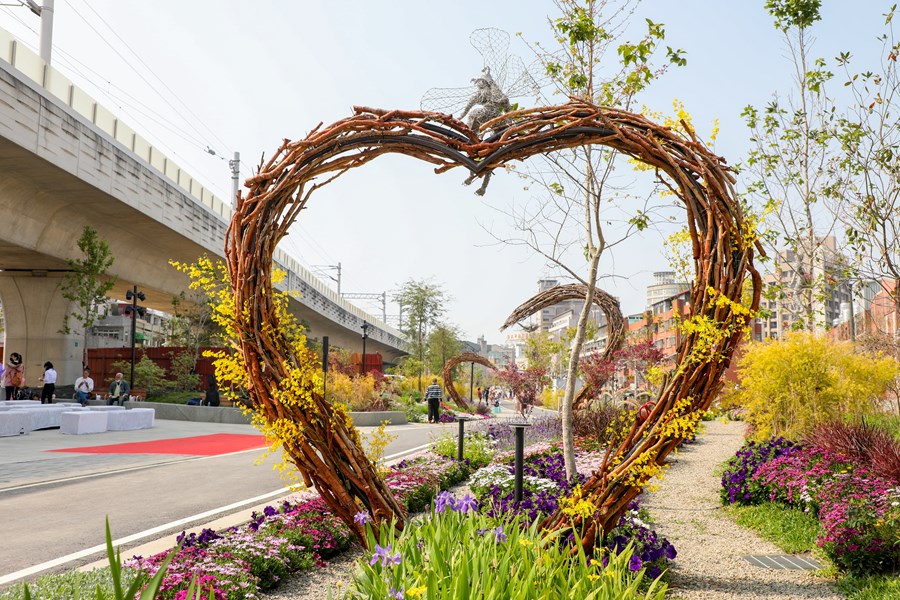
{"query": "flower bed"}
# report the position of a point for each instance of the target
(859, 510)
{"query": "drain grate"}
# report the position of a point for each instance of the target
(784, 561)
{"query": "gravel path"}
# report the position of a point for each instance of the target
(710, 546)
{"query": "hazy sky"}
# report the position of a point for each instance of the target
(241, 76)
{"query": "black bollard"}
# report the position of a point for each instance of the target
(462, 435)
(520, 457)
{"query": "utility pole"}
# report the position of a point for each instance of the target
(235, 165)
(45, 12)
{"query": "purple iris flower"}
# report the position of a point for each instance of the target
(384, 555)
(466, 503)
(444, 501)
(498, 533)
(361, 518)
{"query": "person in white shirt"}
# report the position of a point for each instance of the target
(49, 380)
(84, 385)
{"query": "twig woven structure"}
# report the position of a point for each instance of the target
(327, 453)
(458, 360)
(615, 323)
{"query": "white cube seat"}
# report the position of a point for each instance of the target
(127, 420)
(14, 423)
(114, 407)
(45, 416)
(79, 422)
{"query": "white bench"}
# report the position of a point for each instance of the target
(113, 407)
(83, 421)
(127, 420)
(14, 423)
(44, 416)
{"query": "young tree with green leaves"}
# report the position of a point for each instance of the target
(423, 305)
(565, 223)
(443, 344)
(792, 170)
(87, 284)
(869, 133)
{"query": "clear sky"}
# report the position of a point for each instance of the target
(241, 76)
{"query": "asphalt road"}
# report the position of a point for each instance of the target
(55, 504)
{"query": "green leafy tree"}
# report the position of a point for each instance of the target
(147, 374)
(423, 305)
(87, 284)
(792, 170)
(565, 221)
(443, 344)
(789, 386)
(182, 370)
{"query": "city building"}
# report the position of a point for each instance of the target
(788, 282)
(498, 354)
(114, 330)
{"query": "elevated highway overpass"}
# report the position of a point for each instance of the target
(67, 162)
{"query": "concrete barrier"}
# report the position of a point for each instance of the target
(229, 414)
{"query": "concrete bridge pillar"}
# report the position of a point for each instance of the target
(34, 308)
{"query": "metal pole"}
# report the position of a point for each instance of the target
(520, 462)
(46, 30)
(235, 165)
(324, 365)
(384, 307)
(365, 328)
(462, 434)
(472, 384)
(339, 278)
(134, 300)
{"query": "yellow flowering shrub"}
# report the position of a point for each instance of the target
(788, 386)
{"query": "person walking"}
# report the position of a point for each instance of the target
(84, 385)
(433, 395)
(49, 379)
(119, 390)
(14, 375)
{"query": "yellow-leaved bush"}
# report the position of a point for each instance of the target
(789, 386)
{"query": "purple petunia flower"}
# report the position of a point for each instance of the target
(635, 563)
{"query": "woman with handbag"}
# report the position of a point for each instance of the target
(14, 375)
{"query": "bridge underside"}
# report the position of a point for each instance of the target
(44, 210)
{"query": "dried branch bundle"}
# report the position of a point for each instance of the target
(458, 360)
(576, 291)
(326, 448)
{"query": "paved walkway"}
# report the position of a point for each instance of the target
(710, 546)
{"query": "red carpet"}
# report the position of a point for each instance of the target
(201, 445)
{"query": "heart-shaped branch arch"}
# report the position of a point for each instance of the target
(459, 359)
(318, 436)
(615, 323)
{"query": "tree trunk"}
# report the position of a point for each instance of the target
(568, 435)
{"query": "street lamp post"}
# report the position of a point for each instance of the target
(135, 310)
(362, 366)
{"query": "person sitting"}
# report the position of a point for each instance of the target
(84, 385)
(119, 391)
(212, 392)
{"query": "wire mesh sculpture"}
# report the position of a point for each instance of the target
(502, 77)
(324, 445)
(615, 323)
(458, 360)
